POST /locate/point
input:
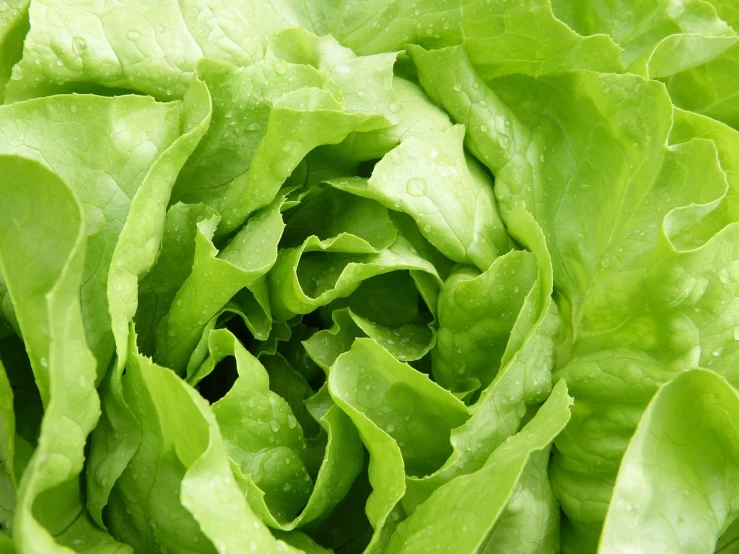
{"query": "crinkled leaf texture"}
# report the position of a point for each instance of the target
(368, 276)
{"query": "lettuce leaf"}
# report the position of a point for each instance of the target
(365, 277)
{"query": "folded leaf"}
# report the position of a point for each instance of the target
(676, 487)
(44, 273)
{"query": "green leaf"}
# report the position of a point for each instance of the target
(216, 277)
(469, 507)
(72, 135)
(477, 313)
(192, 497)
(500, 37)
(404, 419)
(676, 487)
(659, 39)
(446, 193)
(72, 47)
(44, 272)
(648, 219)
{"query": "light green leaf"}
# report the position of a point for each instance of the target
(214, 279)
(73, 47)
(659, 38)
(44, 273)
(446, 193)
(640, 244)
(192, 497)
(477, 313)
(500, 37)
(107, 149)
(404, 420)
(676, 487)
(469, 507)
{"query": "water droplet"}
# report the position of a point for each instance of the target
(484, 128)
(456, 88)
(133, 35)
(394, 107)
(44, 362)
(291, 422)
(390, 428)
(274, 426)
(606, 262)
(73, 109)
(416, 186)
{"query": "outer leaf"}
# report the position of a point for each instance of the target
(621, 343)
(44, 272)
(677, 485)
(72, 46)
(500, 37)
(659, 38)
(74, 136)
